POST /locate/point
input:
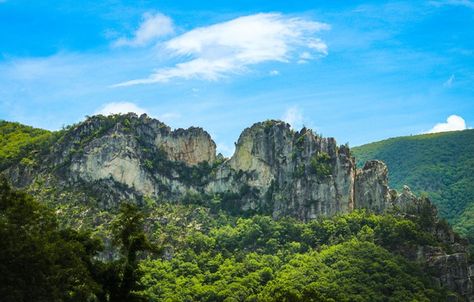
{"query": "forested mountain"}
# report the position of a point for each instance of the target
(440, 164)
(191, 253)
(127, 209)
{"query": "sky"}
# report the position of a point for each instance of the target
(356, 71)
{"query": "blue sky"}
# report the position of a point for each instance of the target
(358, 71)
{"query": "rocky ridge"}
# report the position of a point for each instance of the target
(274, 170)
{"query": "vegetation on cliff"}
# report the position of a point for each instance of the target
(18, 141)
(439, 164)
(192, 254)
(41, 261)
(203, 228)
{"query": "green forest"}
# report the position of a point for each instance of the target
(439, 164)
(178, 252)
(18, 141)
(197, 250)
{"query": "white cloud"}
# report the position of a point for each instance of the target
(120, 107)
(126, 107)
(463, 3)
(449, 82)
(294, 117)
(305, 57)
(453, 123)
(169, 117)
(225, 149)
(153, 26)
(274, 72)
(216, 51)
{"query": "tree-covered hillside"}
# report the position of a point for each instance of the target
(200, 247)
(178, 252)
(440, 164)
(17, 141)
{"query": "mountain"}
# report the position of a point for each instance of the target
(439, 164)
(274, 170)
(293, 196)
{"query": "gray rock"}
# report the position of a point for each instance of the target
(371, 187)
(274, 170)
(288, 172)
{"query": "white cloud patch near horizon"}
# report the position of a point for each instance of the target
(127, 107)
(294, 117)
(120, 107)
(224, 149)
(215, 51)
(453, 123)
(153, 26)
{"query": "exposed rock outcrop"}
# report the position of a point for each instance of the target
(371, 187)
(124, 153)
(274, 170)
(403, 200)
(447, 264)
(452, 271)
(288, 172)
(191, 146)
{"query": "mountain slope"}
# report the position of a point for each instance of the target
(86, 171)
(274, 170)
(440, 164)
(217, 257)
(16, 140)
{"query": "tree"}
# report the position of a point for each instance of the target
(120, 278)
(38, 261)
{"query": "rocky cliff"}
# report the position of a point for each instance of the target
(274, 170)
(288, 172)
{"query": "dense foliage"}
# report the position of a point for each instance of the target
(17, 141)
(345, 258)
(210, 257)
(441, 164)
(39, 261)
(198, 249)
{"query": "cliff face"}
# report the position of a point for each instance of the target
(127, 153)
(122, 157)
(274, 170)
(448, 264)
(288, 172)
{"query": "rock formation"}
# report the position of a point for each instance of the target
(371, 187)
(274, 170)
(288, 172)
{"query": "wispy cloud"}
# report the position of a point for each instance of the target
(120, 107)
(305, 57)
(216, 51)
(449, 82)
(274, 72)
(294, 117)
(464, 3)
(453, 123)
(153, 26)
